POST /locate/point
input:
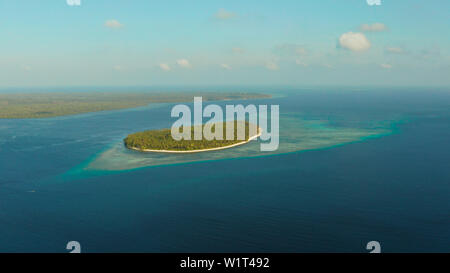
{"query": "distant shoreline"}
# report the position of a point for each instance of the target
(201, 150)
(49, 105)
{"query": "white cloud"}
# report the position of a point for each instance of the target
(386, 66)
(238, 50)
(223, 14)
(225, 66)
(376, 27)
(113, 24)
(300, 51)
(354, 41)
(272, 66)
(395, 50)
(183, 63)
(164, 67)
(300, 62)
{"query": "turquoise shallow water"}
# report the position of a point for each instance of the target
(352, 167)
(296, 134)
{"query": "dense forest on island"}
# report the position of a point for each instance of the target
(162, 139)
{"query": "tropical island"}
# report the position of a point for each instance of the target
(45, 105)
(162, 141)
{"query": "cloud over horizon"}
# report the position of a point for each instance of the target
(225, 66)
(272, 66)
(238, 50)
(113, 24)
(354, 41)
(231, 42)
(184, 63)
(164, 66)
(223, 14)
(375, 27)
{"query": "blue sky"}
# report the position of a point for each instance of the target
(207, 42)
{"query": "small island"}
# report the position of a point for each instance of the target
(161, 141)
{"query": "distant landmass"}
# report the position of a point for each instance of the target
(44, 105)
(162, 140)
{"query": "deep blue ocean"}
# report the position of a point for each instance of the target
(393, 189)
